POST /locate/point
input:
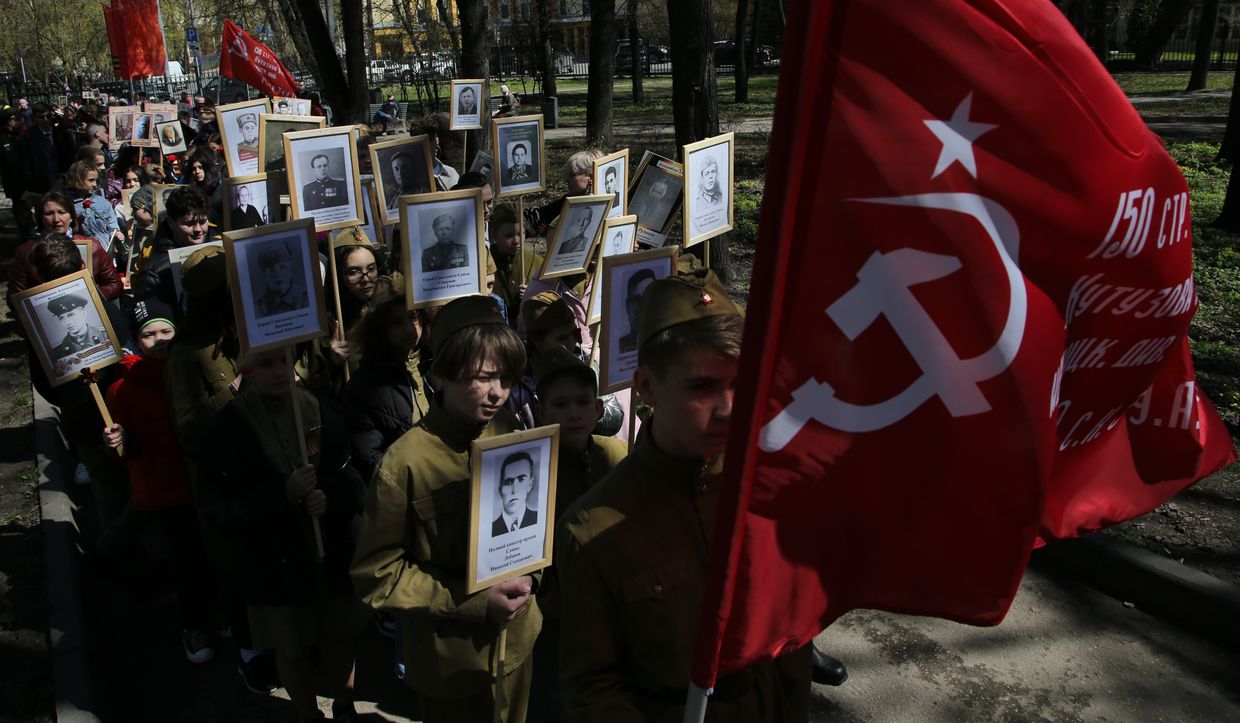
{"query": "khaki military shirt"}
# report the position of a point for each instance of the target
(412, 555)
(508, 279)
(631, 560)
(197, 376)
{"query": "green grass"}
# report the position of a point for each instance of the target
(1164, 83)
(1190, 106)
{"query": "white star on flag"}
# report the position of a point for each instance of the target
(957, 136)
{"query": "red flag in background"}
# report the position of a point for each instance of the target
(135, 38)
(966, 329)
(245, 59)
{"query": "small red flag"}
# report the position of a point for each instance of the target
(135, 38)
(966, 330)
(245, 59)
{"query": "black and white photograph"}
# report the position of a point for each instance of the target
(372, 224)
(518, 142)
(291, 106)
(160, 112)
(569, 249)
(484, 163)
(120, 126)
(159, 195)
(68, 327)
(246, 202)
(273, 273)
(143, 131)
(468, 102)
(271, 130)
(238, 124)
(176, 257)
(444, 253)
(324, 182)
(655, 193)
(618, 237)
(402, 168)
(611, 176)
(708, 179)
(171, 139)
(625, 280)
(513, 503)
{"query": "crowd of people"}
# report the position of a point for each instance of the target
(363, 446)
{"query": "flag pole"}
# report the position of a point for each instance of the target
(163, 38)
(695, 704)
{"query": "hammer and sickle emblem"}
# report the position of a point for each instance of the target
(883, 288)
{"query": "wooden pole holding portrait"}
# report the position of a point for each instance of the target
(300, 428)
(339, 330)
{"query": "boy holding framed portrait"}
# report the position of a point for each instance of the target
(412, 555)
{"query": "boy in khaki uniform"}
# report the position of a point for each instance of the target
(412, 553)
(632, 552)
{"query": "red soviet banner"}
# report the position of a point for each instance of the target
(135, 38)
(966, 331)
(245, 59)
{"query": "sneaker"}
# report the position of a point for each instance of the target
(197, 646)
(259, 675)
(386, 624)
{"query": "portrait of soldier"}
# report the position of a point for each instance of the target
(282, 293)
(519, 171)
(709, 195)
(323, 191)
(517, 478)
(579, 240)
(633, 306)
(247, 149)
(80, 331)
(445, 253)
(406, 178)
(652, 206)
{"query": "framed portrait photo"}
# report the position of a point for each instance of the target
(143, 131)
(512, 505)
(518, 141)
(402, 168)
(708, 179)
(484, 163)
(171, 139)
(291, 106)
(468, 103)
(247, 202)
(238, 124)
(271, 130)
(160, 112)
(619, 237)
(68, 327)
(176, 257)
(611, 176)
(571, 247)
(273, 274)
(120, 126)
(625, 279)
(655, 194)
(159, 194)
(323, 177)
(372, 224)
(444, 250)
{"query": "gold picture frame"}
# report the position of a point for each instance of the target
(88, 341)
(704, 218)
(496, 552)
(601, 166)
(240, 158)
(627, 226)
(568, 255)
(267, 144)
(636, 201)
(428, 280)
(339, 145)
(227, 187)
(295, 315)
(618, 355)
(381, 156)
(120, 126)
(506, 134)
(457, 119)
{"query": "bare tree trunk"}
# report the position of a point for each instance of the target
(635, 53)
(1230, 150)
(599, 128)
(1205, 43)
(475, 57)
(742, 54)
(695, 95)
(355, 63)
(1170, 14)
(548, 59)
(333, 84)
(446, 19)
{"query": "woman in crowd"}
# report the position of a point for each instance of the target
(96, 217)
(55, 213)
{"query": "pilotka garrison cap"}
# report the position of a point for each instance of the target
(681, 299)
(462, 313)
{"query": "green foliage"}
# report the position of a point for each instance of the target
(1167, 83)
(1216, 107)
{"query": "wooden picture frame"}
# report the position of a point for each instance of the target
(256, 258)
(120, 126)
(607, 247)
(439, 268)
(571, 247)
(271, 130)
(708, 213)
(159, 193)
(618, 355)
(260, 201)
(240, 151)
(68, 326)
(296, 106)
(312, 197)
(177, 143)
(511, 177)
(507, 469)
(605, 169)
(144, 130)
(382, 161)
(160, 112)
(643, 199)
(461, 120)
(177, 257)
(372, 224)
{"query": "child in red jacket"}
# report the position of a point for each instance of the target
(143, 425)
